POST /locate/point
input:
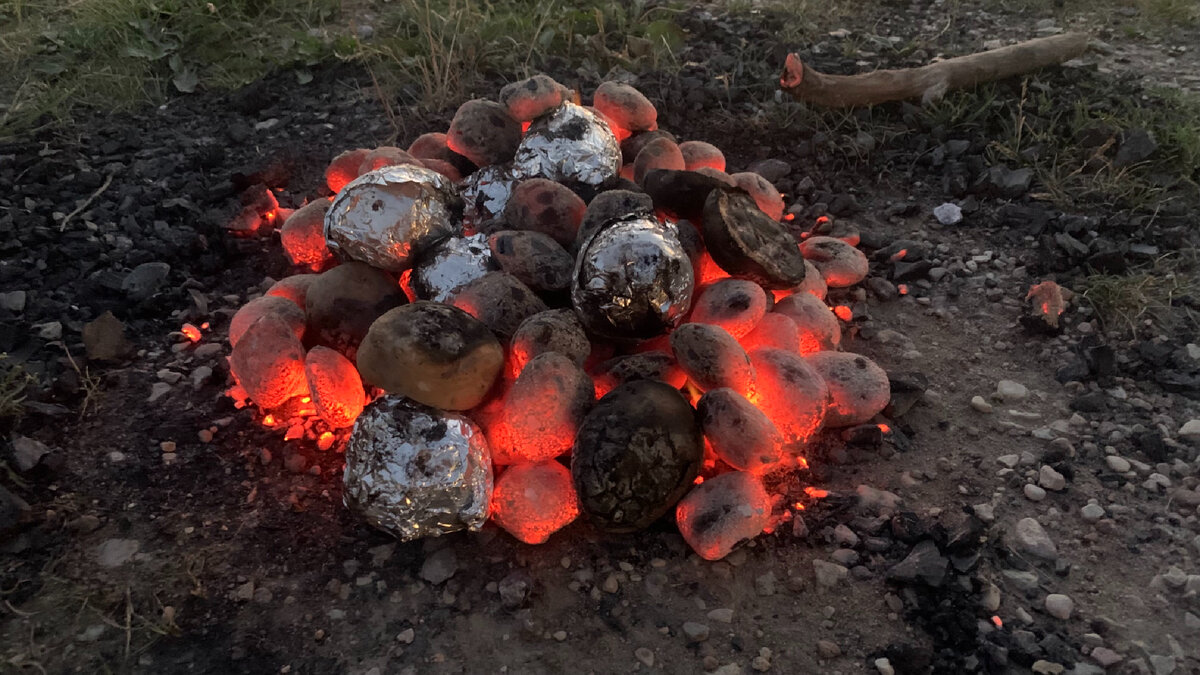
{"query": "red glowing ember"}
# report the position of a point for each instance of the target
(191, 332)
(1049, 301)
(337, 389)
(533, 501)
(721, 512)
(303, 235)
(344, 168)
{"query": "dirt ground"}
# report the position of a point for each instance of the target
(235, 554)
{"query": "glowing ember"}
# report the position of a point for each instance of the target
(843, 312)
(817, 324)
(542, 411)
(269, 362)
(1049, 301)
(774, 330)
(268, 305)
(816, 493)
(344, 168)
(303, 235)
(738, 432)
(533, 501)
(733, 304)
(790, 392)
(858, 388)
(337, 390)
(191, 332)
(721, 512)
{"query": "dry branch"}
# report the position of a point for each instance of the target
(929, 82)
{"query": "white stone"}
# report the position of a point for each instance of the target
(980, 404)
(884, 667)
(948, 213)
(829, 574)
(1009, 461)
(1117, 463)
(1190, 430)
(1010, 391)
(1092, 512)
(1031, 538)
(985, 512)
(1051, 479)
(1034, 493)
(1059, 606)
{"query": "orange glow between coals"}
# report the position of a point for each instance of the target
(816, 493)
(843, 312)
(899, 255)
(268, 421)
(902, 289)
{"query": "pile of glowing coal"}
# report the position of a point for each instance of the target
(557, 311)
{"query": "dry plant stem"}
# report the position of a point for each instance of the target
(97, 193)
(929, 82)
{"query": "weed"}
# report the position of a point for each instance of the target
(13, 383)
(1146, 297)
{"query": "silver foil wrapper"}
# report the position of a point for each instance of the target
(570, 144)
(388, 217)
(485, 194)
(450, 265)
(417, 471)
(632, 279)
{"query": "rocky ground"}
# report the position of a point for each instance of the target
(1034, 509)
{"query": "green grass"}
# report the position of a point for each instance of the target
(1147, 297)
(112, 54)
(435, 51)
(13, 383)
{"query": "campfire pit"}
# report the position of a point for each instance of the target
(504, 325)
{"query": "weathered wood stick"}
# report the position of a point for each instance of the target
(929, 82)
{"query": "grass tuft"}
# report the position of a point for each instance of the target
(1156, 297)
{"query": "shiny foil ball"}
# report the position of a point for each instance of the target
(388, 217)
(450, 265)
(485, 193)
(416, 471)
(632, 280)
(570, 144)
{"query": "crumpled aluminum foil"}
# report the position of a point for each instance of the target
(388, 217)
(450, 265)
(485, 194)
(416, 471)
(632, 279)
(569, 144)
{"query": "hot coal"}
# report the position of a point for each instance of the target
(632, 279)
(443, 167)
(342, 303)
(555, 330)
(608, 206)
(533, 501)
(748, 244)
(680, 192)
(659, 153)
(765, 195)
(858, 388)
(532, 97)
(625, 106)
(790, 392)
(334, 385)
(268, 362)
(534, 258)
(344, 168)
(430, 145)
(636, 453)
(631, 146)
(818, 326)
(484, 132)
(739, 433)
(294, 288)
(268, 305)
(385, 156)
(500, 301)
(813, 284)
(650, 365)
(697, 154)
(541, 412)
(723, 511)
(569, 145)
(303, 235)
(541, 205)
(774, 330)
(416, 471)
(389, 217)
(840, 263)
(435, 354)
(711, 357)
(736, 305)
(450, 265)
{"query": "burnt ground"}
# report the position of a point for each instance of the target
(235, 555)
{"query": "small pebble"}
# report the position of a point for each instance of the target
(1034, 493)
(1059, 606)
